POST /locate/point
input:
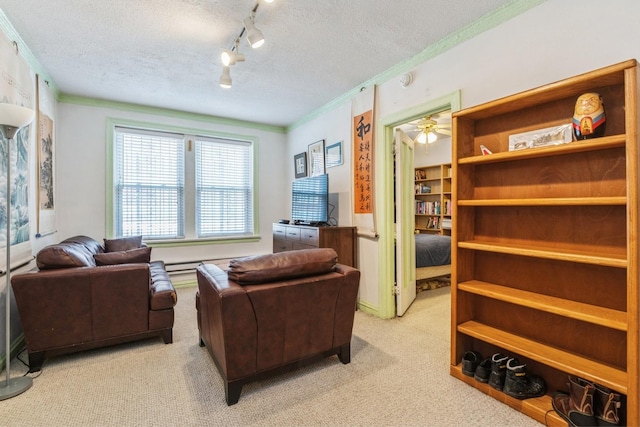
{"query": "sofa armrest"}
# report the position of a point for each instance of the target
(66, 306)
(228, 322)
(162, 294)
(346, 304)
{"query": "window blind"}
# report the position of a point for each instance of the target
(224, 187)
(149, 184)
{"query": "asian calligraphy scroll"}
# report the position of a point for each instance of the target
(363, 162)
(363, 156)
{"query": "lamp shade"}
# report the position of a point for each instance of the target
(230, 58)
(225, 78)
(254, 35)
(15, 115)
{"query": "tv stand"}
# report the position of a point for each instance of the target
(289, 237)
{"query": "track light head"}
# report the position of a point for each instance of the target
(225, 78)
(254, 35)
(230, 57)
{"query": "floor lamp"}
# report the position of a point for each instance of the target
(12, 118)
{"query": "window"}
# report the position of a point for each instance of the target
(181, 186)
(224, 190)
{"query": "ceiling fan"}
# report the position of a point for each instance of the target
(429, 130)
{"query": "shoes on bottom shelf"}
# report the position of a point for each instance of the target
(503, 373)
(520, 384)
(588, 404)
(474, 366)
(498, 370)
(470, 362)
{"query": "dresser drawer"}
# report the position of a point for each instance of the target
(309, 236)
(293, 233)
(279, 231)
(282, 245)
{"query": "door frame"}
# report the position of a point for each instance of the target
(384, 137)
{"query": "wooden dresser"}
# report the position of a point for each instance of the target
(288, 237)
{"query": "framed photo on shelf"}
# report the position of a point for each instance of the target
(316, 158)
(333, 154)
(300, 165)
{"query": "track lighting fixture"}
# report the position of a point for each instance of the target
(232, 56)
(225, 78)
(254, 35)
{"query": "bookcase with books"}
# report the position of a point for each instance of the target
(545, 244)
(433, 204)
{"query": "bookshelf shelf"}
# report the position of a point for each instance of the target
(432, 206)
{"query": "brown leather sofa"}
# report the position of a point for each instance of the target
(83, 297)
(274, 312)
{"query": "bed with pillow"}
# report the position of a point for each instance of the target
(433, 256)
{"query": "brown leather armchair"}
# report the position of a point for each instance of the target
(73, 303)
(274, 312)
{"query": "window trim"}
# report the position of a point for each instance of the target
(187, 241)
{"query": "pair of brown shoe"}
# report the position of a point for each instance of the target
(588, 404)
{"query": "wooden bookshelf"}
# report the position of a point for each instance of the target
(545, 243)
(433, 203)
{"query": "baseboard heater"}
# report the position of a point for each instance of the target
(189, 267)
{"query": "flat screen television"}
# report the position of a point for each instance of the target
(310, 200)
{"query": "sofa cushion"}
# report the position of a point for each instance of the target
(64, 255)
(91, 244)
(124, 257)
(282, 265)
(122, 244)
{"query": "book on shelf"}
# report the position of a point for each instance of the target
(447, 207)
(421, 174)
(427, 208)
(433, 223)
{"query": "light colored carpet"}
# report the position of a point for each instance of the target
(398, 376)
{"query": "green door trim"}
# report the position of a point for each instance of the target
(384, 191)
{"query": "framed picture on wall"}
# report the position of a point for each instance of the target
(300, 165)
(316, 158)
(333, 154)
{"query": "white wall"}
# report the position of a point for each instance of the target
(436, 153)
(333, 126)
(555, 40)
(81, 168)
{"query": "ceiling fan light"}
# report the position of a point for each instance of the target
(225, 78)
(422, 138)
(431, 137)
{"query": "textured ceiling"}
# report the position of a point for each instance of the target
(165, 53)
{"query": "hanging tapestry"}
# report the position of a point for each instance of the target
(45, 138)
(16, 87)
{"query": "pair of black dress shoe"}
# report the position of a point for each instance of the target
(503, 373)
(473, 365)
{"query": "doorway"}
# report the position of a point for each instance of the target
(387, 243)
